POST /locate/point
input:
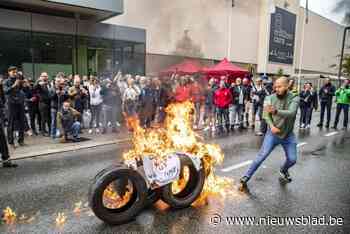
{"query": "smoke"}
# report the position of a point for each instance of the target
(343, 6)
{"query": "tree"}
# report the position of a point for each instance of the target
(280, 72)
(343, 6)
(346, 65)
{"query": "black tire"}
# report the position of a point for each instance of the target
(192, 189)
(132, 207)
(153, 196)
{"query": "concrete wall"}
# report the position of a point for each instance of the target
(200, 28)
(196, 28)
(264, 35)
(323, 39)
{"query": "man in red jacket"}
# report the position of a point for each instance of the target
(182, 92)
(222, 100)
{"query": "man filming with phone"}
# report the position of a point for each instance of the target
(13, 89)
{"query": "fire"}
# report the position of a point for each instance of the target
(113, 200)
(77, 208)
(177, 135)
(9, 216)
(60, 219)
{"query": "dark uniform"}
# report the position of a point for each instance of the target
(4, 151)
(15, 99)
(3, 143)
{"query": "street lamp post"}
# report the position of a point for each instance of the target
(342, 56)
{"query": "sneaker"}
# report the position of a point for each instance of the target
(259, 134)
(285, 176)
(327, 125)
(302, 126)
(90, 131)
(244, 181)
(213, 129)
(63, 139)
(76, 139)
(206, 129)
(334, 127)
(21, 143)
(97, 130)
(320, 125)
(9, 164)
(241, 127)
(307, 126)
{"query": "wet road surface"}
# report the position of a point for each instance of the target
(42, 187)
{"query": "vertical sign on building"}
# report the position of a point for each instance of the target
(282, 36)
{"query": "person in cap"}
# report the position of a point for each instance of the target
(13, 89)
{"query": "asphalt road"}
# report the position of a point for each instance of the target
(42, 187)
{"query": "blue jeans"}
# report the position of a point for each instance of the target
(345, 109)
(289, 145)
(53, 122)
(74, 130)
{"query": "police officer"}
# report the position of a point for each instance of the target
(3, 143)
(13, 90)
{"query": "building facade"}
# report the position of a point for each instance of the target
(266, 34)
(67, 36)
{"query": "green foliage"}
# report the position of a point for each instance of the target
(346, 65)
(280, 72)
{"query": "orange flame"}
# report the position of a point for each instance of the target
(177, 135)
(9, 216)
(60, 219)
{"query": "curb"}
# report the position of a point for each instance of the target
(70, 149)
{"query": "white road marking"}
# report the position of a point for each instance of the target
(331, 134)
(233, 167)
(301, 144)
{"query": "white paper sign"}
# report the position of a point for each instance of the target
(162, 171)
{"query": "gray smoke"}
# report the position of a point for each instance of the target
(343, 6)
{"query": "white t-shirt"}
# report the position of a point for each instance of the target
(95, 95)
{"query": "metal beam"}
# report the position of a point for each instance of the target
(342, 56)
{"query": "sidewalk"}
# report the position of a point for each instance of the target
(39, 146)
(36, 146)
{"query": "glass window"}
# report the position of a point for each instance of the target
(14, 49)
(53, 53)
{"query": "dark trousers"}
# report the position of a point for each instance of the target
(45, 114)
(345, 109)
(326, 106)
(222, 115)
(4, 151)
(305, 115)
(95, 115)
(34, 115)
(15, 122)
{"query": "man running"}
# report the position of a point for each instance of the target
(280, 111)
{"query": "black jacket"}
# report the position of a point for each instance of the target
(308, 99)
(44, 94)
(262, 93)
(58, 99)
(326, 93)
(14, 95)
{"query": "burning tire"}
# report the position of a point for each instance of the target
(117, 195)
(183, 192)
(153, 196)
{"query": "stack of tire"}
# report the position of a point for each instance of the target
(142, 196)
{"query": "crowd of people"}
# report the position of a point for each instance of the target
(64, 105)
